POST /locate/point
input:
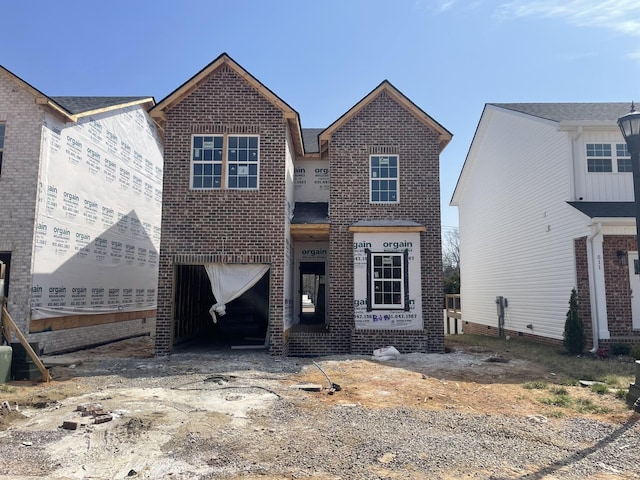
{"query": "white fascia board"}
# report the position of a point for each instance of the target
(588, 125)
(614, 221)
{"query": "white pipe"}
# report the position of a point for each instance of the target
(593, 296)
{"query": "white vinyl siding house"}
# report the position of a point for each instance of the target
(517, 227)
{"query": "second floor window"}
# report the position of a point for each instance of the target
(225, 161)
(1, 144)
(608, 158)
(383, 178)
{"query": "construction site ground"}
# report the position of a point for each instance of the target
(229, 414)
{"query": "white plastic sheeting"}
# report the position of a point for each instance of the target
(98, 215)
(229, 281)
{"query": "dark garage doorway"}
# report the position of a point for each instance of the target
(245, 323)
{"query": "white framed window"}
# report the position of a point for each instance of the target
(388, 278)
(608, 158)
(225, 162)
(623, 158)
(383, 179)
(2, 130)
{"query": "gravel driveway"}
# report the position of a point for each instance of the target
(243, 415)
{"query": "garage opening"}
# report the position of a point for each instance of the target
(244, 323)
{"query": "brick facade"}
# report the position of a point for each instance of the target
(383, 123)
(617, 287)
(223, 222)
(18, 189)
(582, 288)
(234, 225)
(617, 290)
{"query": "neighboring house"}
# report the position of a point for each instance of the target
(545, 201)
(81, 194)
(328, 239)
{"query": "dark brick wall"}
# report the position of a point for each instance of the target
(582, 287)
(617, 286)
(383, 123)
(223, 222)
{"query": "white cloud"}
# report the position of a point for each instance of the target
(619, 15)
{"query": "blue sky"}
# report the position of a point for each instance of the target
(449, 56)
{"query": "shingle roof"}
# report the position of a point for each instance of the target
(310, 139)
(311, 212)
(76, 105)
(605, 209)
(570, 111)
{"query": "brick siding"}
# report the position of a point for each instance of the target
(383, 122)
(223, 222)
(18, 189)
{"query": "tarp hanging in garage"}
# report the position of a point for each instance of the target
(229, 281)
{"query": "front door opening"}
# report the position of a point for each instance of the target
(312, 293)
(245, 322)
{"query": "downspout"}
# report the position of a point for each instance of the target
(593, 298)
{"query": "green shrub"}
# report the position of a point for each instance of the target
(574, 340)
(621, 394)
(635, 352)
(535, 385)
(559, 391)
(620, 349)
(599, 388)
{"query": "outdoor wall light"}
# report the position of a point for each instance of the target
(622, 258)
(630, 127)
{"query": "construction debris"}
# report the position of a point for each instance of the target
(94, 410)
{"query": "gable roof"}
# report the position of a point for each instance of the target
(570, 112)
(175, 97)
(82, 106)
(74, 108)
(568, 116)
(400, 98)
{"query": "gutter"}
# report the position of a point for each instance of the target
(593, 298)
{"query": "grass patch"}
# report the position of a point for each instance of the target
(613, 381)
(4, 388)
(555, 414)
(621, 394)
(553, 358)
(536, 385)
(563, 401)
(585, 405)
(599, 388)
(559, 391)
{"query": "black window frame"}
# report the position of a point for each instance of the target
(371, 305)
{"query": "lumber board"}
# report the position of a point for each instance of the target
(8, 321)
(77, 321)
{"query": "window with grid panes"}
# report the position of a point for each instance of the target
(383, 179)
(225, 162)
(623, 158)
(387, 272)
(608, 158)
(599, 157)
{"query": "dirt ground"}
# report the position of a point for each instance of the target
(157, 405)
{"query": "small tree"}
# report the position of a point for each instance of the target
(451, 261)
(573, 329)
